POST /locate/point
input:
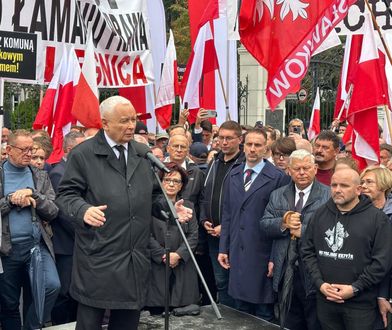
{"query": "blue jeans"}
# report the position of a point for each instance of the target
(221, 274)
(16, 267)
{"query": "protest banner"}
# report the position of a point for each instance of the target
(354, 22)
(18, 55)
(120, 35)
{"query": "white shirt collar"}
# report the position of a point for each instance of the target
(112, 144)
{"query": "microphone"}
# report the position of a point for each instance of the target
(143, 151)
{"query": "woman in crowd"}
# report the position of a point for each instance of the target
(281, 151)
(376, 183)
(38, 156)
(184, 289)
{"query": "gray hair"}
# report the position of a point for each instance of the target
(69, 140)
(301, 154)
(108, 105)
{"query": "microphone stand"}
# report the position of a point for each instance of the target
(167, 251)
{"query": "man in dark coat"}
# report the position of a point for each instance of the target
(64, 311)
(107, 190)
(243, 247)
(281, 220)
(211, 206)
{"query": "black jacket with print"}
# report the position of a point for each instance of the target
(351, 248)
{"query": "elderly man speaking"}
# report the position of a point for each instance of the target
(108, 190)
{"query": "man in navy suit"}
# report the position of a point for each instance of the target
(65, 308)
(243, 247)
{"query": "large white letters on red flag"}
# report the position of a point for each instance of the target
(282, 35)
(120, 35)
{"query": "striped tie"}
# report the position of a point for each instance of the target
(248, 178)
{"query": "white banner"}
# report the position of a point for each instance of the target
(121, 35)
(354, 21)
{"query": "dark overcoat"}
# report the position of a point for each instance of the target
(111, 263)
(184, 289)
(63, 229)
(241, 237)
(281, 201)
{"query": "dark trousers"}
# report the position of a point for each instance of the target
(65, 308)
(333, 316)
(90, 318)
(264, 311)
(303, 313)
(15, 267)
(204, 262)
(221, 274)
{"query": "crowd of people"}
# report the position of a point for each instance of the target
(282, 228)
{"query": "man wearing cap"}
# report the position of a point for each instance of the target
(142, 130)
(161, 141)
(198, 152)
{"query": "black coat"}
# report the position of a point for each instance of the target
(183, 278)
(62, 227)
(111, 263)
(281, 201)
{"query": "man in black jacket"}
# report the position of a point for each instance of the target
(211, 203)
(346, 254)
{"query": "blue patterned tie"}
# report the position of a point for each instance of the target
(248, 178)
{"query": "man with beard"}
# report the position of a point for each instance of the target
(345, 253)
(325, 149)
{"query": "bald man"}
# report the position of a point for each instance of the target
(346, 254)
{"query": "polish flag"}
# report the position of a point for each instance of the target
(85, 107)
(203, 59)
(314, 126)
(370, 90)
(54, 113)
(168, 88)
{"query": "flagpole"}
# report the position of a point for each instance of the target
(223, 91)
(350, 90)
(228, 117)
(379, 32)
(387, 114)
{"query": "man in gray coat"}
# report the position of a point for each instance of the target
(285, 217)
(108, 191)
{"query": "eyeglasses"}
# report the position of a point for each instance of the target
(279, 155)
(24, 151)
(227, 138)
(175, 182)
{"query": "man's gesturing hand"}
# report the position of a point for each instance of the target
(94, 216)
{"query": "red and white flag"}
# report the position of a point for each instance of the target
(283, 35)
(203, 59)
(314, 125)
(54, 113)
(168, 88)
(370, 90)
(85, 108)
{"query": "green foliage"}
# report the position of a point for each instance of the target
(24, 114)
(177, 19)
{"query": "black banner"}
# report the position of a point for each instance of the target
(18, 55)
